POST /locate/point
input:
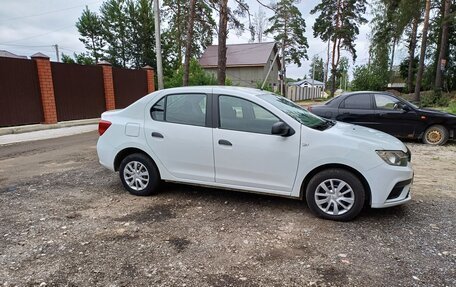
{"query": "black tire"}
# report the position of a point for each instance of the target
(436, 135)
(335, 176)
(138, 184)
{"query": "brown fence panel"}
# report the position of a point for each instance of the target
(78, 90)
(20, 97)
(129, 86)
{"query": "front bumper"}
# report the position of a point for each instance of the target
(390, 185)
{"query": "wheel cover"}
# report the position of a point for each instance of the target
(136, 175)
(434, 136)
(334, 196)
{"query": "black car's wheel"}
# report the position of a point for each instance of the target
(139, 175)
(436, 135)
(335, 194)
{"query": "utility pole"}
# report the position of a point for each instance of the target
(158, 45)
(313, 73)
(57, 52)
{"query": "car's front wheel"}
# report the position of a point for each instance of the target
(436, 135)
(335, 194)
(139, 175)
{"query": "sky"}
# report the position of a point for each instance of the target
(30, 26)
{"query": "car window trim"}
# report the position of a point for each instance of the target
(216, 114)
(208, 116)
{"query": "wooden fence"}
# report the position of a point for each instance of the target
(296, 93)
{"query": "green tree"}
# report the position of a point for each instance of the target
(140, 28)
(288, 27)
(81, 58)
(176, 15)
(339, 21)
(92, 34)
(116, 33)
(366, 77)
(342, 73)
(229, 19)
(317, 69)
(197, 76)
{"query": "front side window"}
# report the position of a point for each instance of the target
(385, 102)
(359, 101)
(242, 115)
(189, 109)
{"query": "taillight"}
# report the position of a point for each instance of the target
(103, 126)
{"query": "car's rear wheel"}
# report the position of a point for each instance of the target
(139, 175)
(436, 135)
(335, 194)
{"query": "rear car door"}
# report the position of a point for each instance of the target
(246, 153)
(178, 130)
(357, 109)
(390, 117)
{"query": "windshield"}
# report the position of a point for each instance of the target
(293, 110)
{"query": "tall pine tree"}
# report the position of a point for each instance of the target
(288, 27)
(339, 21)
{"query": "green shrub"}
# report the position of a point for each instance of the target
(452, 107)
(197, 77)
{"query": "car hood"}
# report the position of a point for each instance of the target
(363, 136)
(432, 112)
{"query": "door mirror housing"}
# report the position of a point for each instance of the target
(406, 108)
(282, 129)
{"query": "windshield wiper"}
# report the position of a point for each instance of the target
(324, 125)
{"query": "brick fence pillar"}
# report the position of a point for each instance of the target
(150, 79)
(108, 85)
(43, 66)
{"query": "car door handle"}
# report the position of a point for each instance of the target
(224, 142)
(157, 135)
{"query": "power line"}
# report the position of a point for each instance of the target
(26, 46)
(39, 35)
(46, 13)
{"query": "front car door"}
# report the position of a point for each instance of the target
(391, 117)
(178, 129)
(357, 109)
(246, 153)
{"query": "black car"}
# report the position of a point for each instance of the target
(391, 114)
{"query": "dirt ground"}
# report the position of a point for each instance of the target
(66, 221)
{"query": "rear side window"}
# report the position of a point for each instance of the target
(360, 101)
(189, 109)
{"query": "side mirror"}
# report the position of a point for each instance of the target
(282, 129)
(406, 108)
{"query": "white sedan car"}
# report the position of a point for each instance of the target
(255, 141)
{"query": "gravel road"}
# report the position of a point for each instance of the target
(66, 221)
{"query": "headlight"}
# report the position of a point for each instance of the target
(393, 157)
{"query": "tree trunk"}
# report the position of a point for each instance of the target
(179, 34)
(412, 47)
(284, 67)
(392, 61)
(419, 76)
(443, 47)
(335, 62)
(222, 35)
(188, 48)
